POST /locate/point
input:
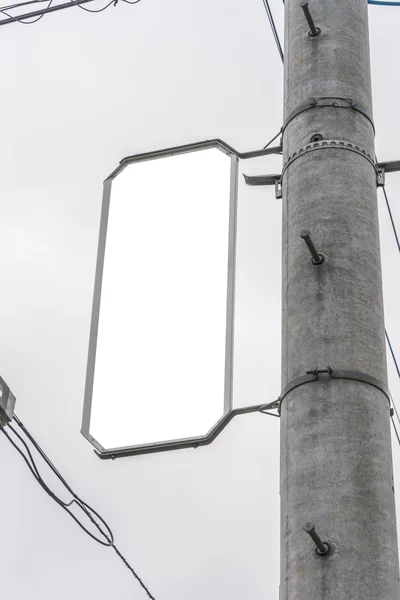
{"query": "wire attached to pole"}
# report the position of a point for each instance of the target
(101, 526)
(273, 28)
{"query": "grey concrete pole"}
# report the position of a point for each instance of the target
(336, 466)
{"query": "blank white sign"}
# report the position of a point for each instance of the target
(161, 343)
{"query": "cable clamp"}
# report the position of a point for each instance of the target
(328, 374)
(329, 102)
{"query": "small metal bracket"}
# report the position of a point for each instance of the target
(271, 406)
(257, 180)
(328, 374)
(380, 177)
(389, 166)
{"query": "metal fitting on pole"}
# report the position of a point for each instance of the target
(321, 548)
(317, 257)
(314, 31)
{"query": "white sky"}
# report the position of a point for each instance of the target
(79, 92)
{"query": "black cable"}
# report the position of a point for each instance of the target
(27, 3)
(101, 9)
(396, 364)
(128, 566)
(393, 423)
(43, 455)
(20, 19)
(274, 31)
(65, 505)
(28, 451)
(88, 510)
(273, 139)
(78, 501)
(49, 8)
(397, 368)
(391, 218)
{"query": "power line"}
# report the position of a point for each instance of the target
(383, 3)
(395, 429)
(50, 8)
(274, 31)
(391, 218)
(20, 20)
(101, 9)
(76, 500)
(397, 368)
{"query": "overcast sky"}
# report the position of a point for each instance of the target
(80, 92)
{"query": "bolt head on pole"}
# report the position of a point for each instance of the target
(309, 527)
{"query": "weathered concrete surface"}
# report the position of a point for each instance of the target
(336, 467)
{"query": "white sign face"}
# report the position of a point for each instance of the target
(160, 370)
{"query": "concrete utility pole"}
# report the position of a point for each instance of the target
(336, 465)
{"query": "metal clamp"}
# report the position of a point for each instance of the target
(330, 102)
(256, 180)
(329, 145)
(329, 373)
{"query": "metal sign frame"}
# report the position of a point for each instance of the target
(228, 412)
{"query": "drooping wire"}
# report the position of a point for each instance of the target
(20, 19)
(101, 9)
(65, 505)
(273, 28)
(37, 15)
(88, 510)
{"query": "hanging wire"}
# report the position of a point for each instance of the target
(273, 28)
(101, 9)
(103, 529)
(21, 19)
(38, 14)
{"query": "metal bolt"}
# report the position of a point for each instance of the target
(314, 31)
(317, 137)
(322, 548)
(317, 257)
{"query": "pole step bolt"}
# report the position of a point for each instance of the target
(317, 257)
(321, 548)
(314, 31)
